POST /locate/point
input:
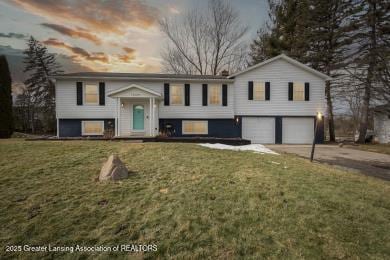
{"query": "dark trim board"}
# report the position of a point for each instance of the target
(72, 127)
(278, 129)
(220, 128)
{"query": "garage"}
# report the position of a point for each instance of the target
(298, 130)
(259, 130)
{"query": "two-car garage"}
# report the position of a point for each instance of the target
(287, 130)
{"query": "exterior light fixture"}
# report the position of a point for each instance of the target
(237, 120)
(122, 105)
(317, 119)
(319, 116)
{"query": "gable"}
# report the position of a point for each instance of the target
(282, 59)
(133, 91)
(279, 70)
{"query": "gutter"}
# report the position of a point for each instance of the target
(146, 79)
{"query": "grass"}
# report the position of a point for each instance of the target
(377, 148)
(191, 201)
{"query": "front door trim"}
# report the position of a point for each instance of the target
(143, 117)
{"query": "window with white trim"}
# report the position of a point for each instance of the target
(92, 127)
(195, 127)
(215, 94)
(299, 91)
(177, 95)
(259, 91)
(91, 94)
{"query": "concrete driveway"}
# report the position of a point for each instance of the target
(368, 163)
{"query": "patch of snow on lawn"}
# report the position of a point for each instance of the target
(257, 148)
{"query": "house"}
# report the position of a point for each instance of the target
(275, 101)
(382, 124)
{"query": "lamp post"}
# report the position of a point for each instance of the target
(319, 117)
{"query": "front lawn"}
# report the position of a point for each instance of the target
(191, 201)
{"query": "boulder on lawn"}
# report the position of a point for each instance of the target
(113, 169)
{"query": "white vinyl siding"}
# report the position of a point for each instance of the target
(215, 95)
(177, 95)
(66, 105)
(298, 130)
(259, 130)
(279, 73)
(299, 91)
(382, 127)
(194, 127)
(92, 127)
(258, 91)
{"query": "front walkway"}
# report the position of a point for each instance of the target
(368, 163)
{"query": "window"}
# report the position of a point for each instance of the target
(91, 96)
(259, 91)
(215, 95)
(92, 127)
(299, 91)
(195, 127)
(177, 95)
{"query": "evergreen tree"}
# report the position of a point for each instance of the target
(40, 65)
(370, 49)
(328, 41)
(286, 32)
(6, 119)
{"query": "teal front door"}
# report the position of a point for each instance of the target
(138, 117)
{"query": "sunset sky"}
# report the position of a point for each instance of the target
(121, 36)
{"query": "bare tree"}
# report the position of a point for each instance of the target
(349, 90)
(205, 42)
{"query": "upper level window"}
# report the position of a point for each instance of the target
(259, 91)
(91, 94)
(299, 91)
(177, 95)
(215, 95)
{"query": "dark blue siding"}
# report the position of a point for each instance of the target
(223, 128)
(72, 127)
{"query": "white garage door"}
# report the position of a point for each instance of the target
(298, 130)
(260, 130)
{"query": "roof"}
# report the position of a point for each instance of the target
(161, 76)
(288, 59)
(153, 76)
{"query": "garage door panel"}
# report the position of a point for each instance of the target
(298, 130)
(259, 129)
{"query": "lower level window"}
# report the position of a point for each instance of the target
(195, 127)
(92, 127)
